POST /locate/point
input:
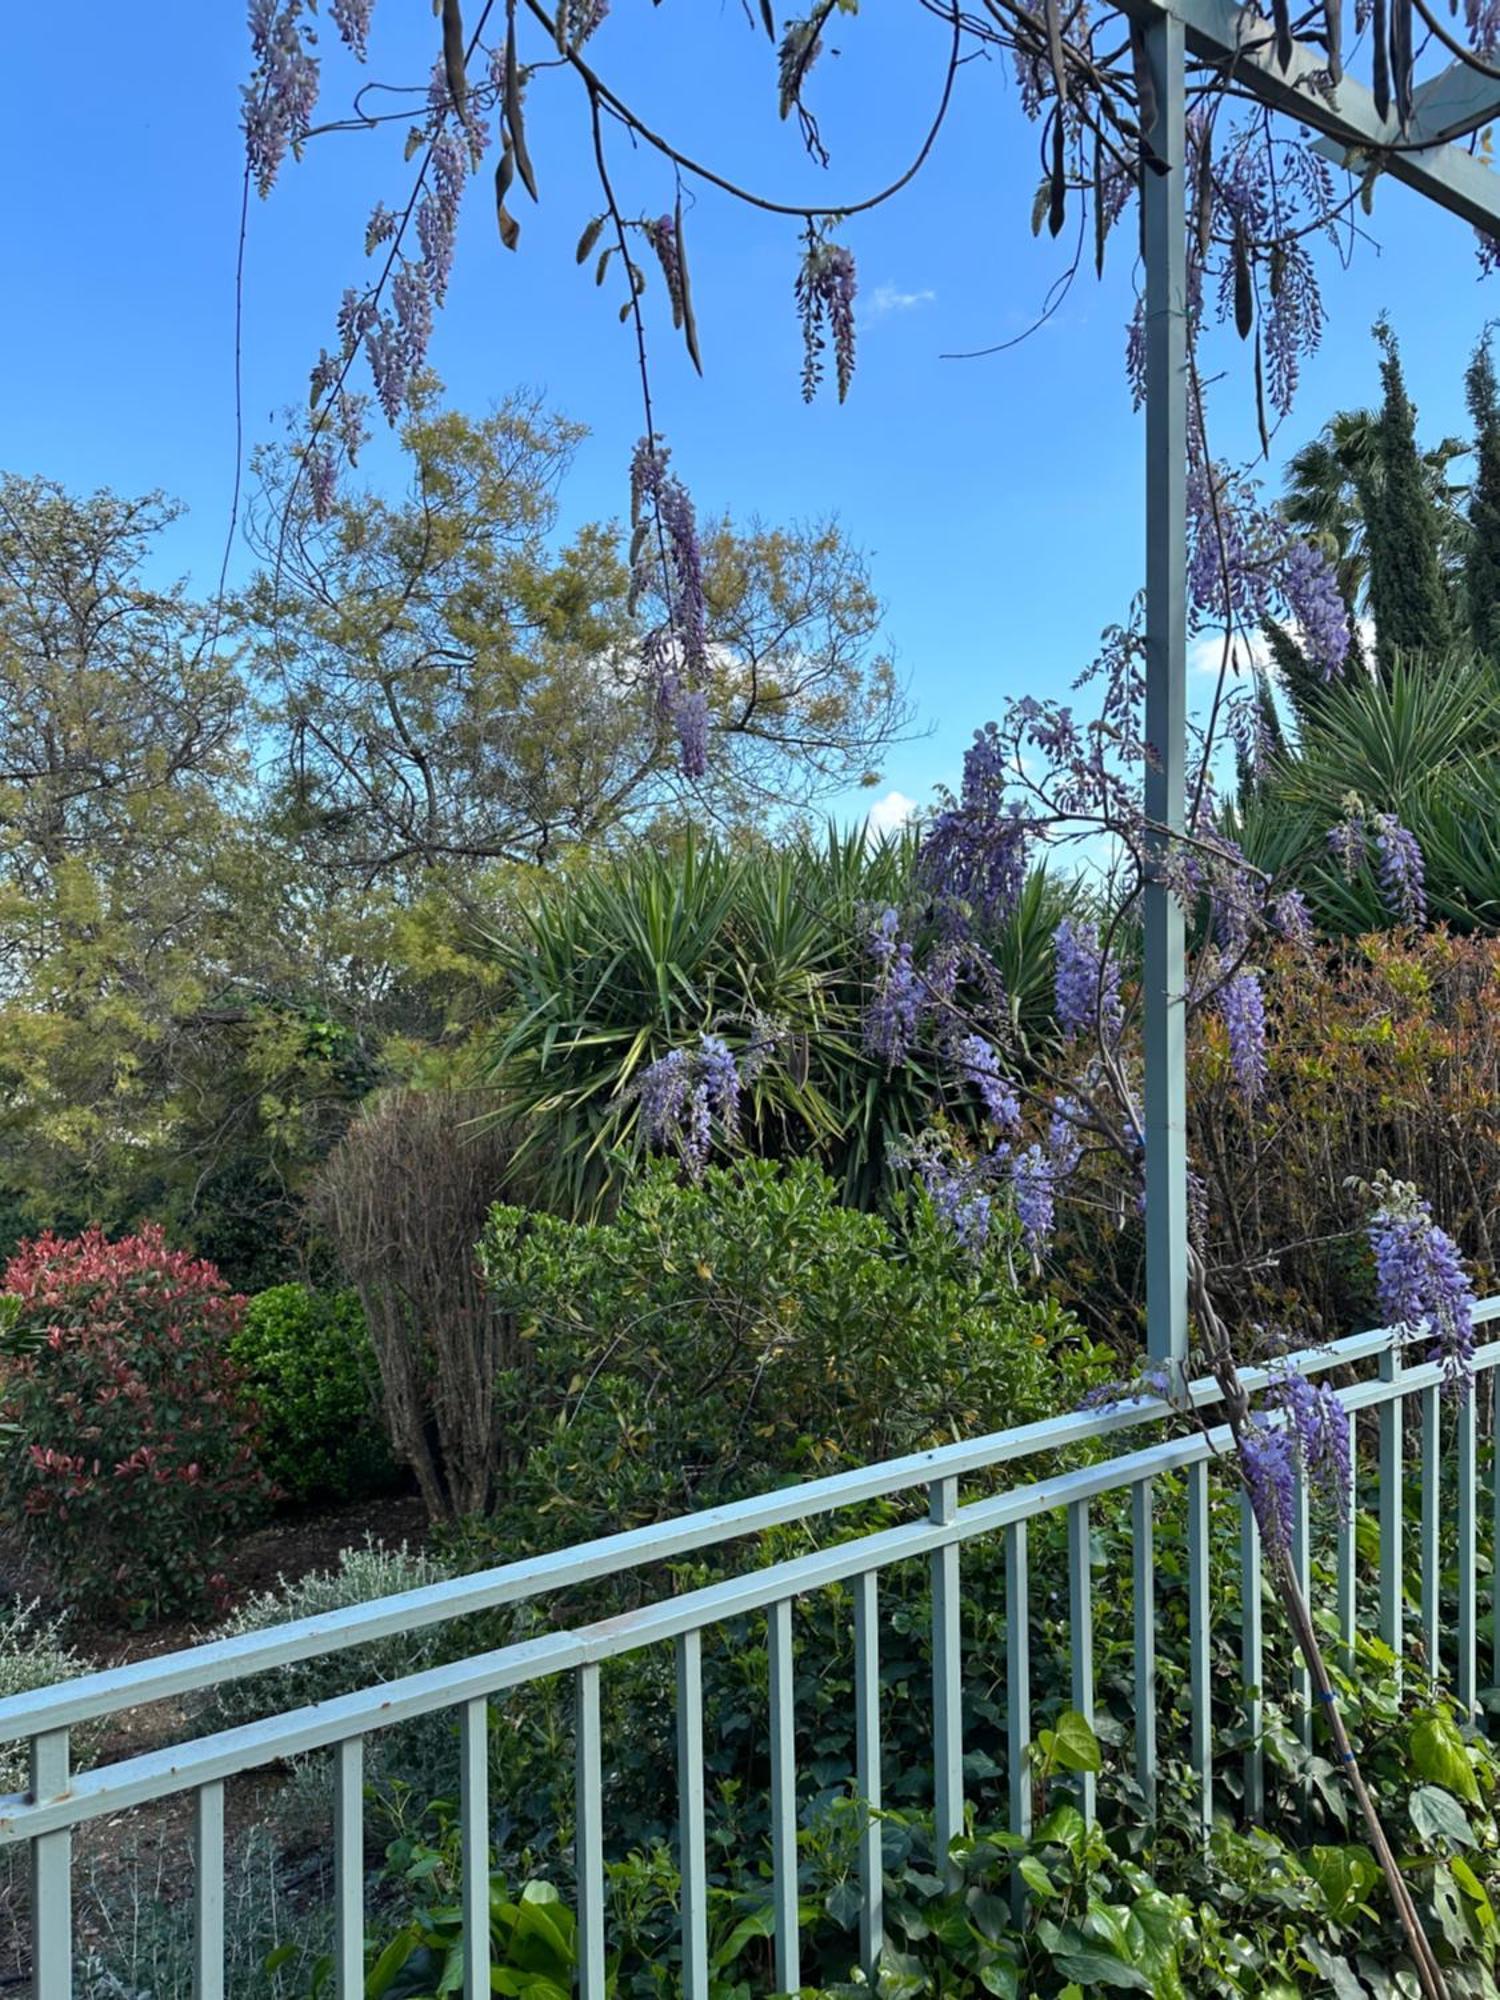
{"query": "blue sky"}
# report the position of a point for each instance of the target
(999, 499)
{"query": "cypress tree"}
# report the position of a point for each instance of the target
(1407, 593)
(1303, 682)
(1482, 565)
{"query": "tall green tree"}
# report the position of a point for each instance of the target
(1482, 567)
(1407, 591)
(451, 690)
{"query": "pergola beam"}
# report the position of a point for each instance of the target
(1242, 44)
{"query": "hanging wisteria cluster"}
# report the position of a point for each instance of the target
(1261, 199)
(1399, 867)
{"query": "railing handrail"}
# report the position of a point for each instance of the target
(209, 1759)
(110, 1690)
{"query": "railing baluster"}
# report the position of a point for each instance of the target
(474, 1843)
(349, 1868)
(692, 1828)
(51, 1877)
(947, 1681)
(1018, 1689)
(208, 1892)
(1495, 1527)
(1466, 1666)
(1142, 1529)
(1345, 1580)
(588, 1838)
(867, 1772)
(1301, 1679)
(1431, 1553)
(1252, 1666)
(1081, 1632)
(784, 1797)
(1390, 1504)
(1200, 1678)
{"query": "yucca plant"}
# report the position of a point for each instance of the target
(629, 957)
(1422, 745)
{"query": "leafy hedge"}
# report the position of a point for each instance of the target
(307, 1359)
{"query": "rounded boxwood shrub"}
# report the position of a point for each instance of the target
(310, 1366)
(129, 1442)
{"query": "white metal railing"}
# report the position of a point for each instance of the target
(59, 1800)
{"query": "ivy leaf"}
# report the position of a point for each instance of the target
(1437, 1815)
(1439, 1754)
(1074, 1744)
(1337, 1971)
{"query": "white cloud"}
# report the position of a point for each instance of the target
(1206, 654)
(888, 299)
(889, 815)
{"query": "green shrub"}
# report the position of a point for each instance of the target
(130, 1449)
(719, 1337)
(307, 1358)
(34, 1652)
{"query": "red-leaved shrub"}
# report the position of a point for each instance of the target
(132, 1452)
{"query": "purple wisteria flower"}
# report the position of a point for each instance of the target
(1086, 983)
(979, 1065)
(1420, 1280)
(1268, 1460)
(1319, 1425)
(282, 94)
(1311, 590)
(825, 298)
(352, 19)
(898, 1002)
(1242, 1007)
(975, 850)
(1290, 917)
(1033, 1194)
(1400, 868)
(681, 1095)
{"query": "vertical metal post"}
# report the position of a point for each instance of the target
(1252, 1662)
(474, 1842)
(1018, 1690)
(588, 1838)
(1081, 1633)
(208, 1893)
(947, 1682)
(692, 1816)
(867, 1775)
(1431, 1563)
(349, 1868)
(1143, 1554)
(783, 1797)
(1200, 1671)
(51, 1877)
(1347, 1552)
(1164, 198)
(1466, 1669)
(1390, 1502)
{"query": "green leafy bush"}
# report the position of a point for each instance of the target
(716, 1338)
(132, 1448)
(307, 1358)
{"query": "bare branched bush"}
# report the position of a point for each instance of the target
(404, 1198)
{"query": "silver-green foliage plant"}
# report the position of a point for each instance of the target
(363, 1574)
(34, 1653)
